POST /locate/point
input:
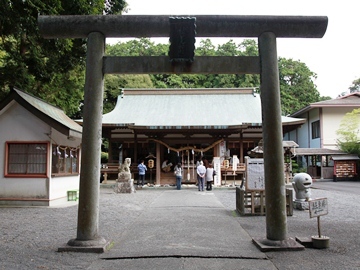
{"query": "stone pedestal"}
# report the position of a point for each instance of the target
(124, 183)
(301, 205)
(126, 186)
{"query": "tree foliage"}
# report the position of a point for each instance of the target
(52, 69)
(297, 85)
(355, 87)
(296, 80)
(115, 83)
(348, 133)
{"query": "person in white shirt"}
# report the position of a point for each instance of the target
(201, 171)
(178, 170)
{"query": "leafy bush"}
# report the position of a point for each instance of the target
(104, 157)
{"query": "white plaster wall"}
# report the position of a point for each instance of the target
(60, 185)
(331, 123)
(24, 188)
(330, 120)
(17, 124)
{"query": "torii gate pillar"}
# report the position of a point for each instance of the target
(88, 238)
(275, 199)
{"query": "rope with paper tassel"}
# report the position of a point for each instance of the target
(188, 147)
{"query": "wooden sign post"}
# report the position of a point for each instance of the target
(317, 208)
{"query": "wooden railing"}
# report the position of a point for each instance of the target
(109, 169)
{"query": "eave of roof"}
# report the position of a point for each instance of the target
(317, 151)
(351, 100)
(48, 113)
(345, 157)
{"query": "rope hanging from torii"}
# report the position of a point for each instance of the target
(188, 147)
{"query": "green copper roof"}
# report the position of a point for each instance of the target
(187, 108)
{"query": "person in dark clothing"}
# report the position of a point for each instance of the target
(209, 177)
(142, 169)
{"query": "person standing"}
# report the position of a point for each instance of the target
(178, 171)
(142, 169)
(209, 177)
(165, 166)
(206, 162)
(201, 171)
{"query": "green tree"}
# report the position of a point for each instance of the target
(296, 80)
(137, 47)
(297, 86)
(348, 133)
(355, 87)
(115, 83)
(40, 66)
(206, 48)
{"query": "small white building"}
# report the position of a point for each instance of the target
(317, 137)
(39, 152)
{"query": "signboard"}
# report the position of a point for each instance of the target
(182, 39)
(255, 175)
(318, 207)
(217, 168)
(235, 162)
(222, 150)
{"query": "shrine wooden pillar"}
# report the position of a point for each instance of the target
(158, 163)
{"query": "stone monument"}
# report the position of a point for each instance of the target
(124, 183)
(301, 184)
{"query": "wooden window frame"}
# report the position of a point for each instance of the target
(315, 129)
(27, 158)
(63, 159)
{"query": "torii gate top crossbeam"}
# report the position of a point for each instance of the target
(136, 26)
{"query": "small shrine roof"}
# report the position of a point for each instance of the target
(50, 114)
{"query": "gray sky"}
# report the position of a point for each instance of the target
(334, 58)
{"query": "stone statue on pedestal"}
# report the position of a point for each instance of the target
(124, 183)
(301, 184)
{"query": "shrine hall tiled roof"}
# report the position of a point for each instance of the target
(188, 108)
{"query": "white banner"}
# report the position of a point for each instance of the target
(217, 168)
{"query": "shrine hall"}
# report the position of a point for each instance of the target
(184, 125)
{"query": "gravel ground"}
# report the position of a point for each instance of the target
(30, 236)
(341, 225)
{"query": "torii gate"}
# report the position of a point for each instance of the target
(265, 28)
